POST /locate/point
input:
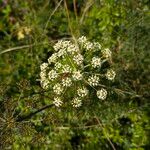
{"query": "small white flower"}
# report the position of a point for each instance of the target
(78, 59)
(102, 94)
(43, 74)
(58, 66)
(88, 46)
(61, 44)
(52, 75)
(72, 49)
(82, 39)
(77, 75)
(57, 102)
(82, 92)
(43, 66)
(52, 58)
(61, 52)
(76, 102)
(58, 45)
(96, 62)
(66, 69)
(93, 80)
(65, 44)
(57, 88)
(45, 84)
(106, 53)
(66, 82)
(110, 75)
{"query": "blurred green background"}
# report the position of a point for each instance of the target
(28, 30)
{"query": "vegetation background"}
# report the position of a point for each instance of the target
(28, 29)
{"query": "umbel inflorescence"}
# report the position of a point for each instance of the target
(75, 70)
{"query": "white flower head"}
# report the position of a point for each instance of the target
(77, 75)
(76, 102)
(52, 75)
(110, 75)
(43, 66)
(78, 59)
(45, 84)
(82, 92)
(61, 44)
(65, 44)
(106, 53)
(72, 49)
(43, 74)
(58, 45)
(96, 62)
(57, 102)
(66, 82)
(61, 52)
(58, 66)
(88, 46)
(102, 94)
(66, 69)
(52, 58)
(82, 40)
(57, 88)
(93, 80)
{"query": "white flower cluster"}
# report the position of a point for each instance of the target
(44, 66)
(58, 66)
(53, 58)
(66, 69)
(57, 102)
(61, 44)
(87, 45)
(78, 59)
(77, 75)
(82, 40)
(106, 53)
(76, 102)
(52, 75)
(110, 75)
(66, 82)
(72, 49)
(57, 88)
(44, 81)
(73, 68)
(93, 80)
(102, 94)
(43, 75)
(96, 62)
(82, 92)
(58, 45)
